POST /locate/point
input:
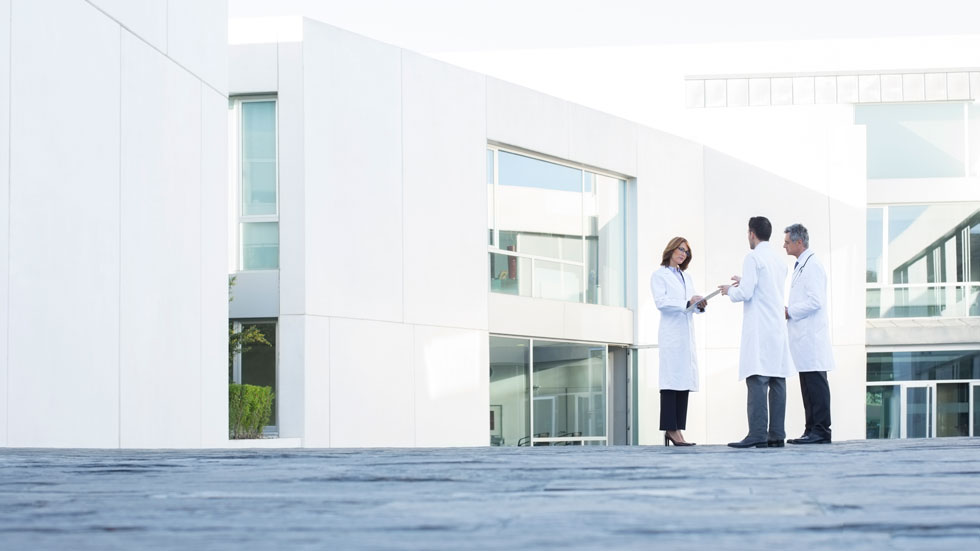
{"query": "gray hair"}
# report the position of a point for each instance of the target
(797, 232)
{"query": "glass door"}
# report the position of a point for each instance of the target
(975, 407)
(919, 411)
(953, 409)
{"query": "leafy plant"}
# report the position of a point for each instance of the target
(244, 340)
(249, 410)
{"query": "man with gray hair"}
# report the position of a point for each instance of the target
(809, 334)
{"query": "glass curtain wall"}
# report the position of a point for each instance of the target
(258, 182)
(923, 260)
(565, 382)
(921, 394)
(555, 231)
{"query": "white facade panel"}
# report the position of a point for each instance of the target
(255, 294)
(354, 175)
(160, 375)
(847, 238)
(602, 141)
(594, 323)
(291, 376)
(445, 195)
(253, 68)
(4, 207)
(293, 208)
(452, 389)
(64, 226)
(670, 199)
(214, 273)
(524, 118)
(316, 401)
(372, 382)
(146, 19)
(513, 315)
(197, 39)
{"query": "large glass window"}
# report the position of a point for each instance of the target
(922, 394)
(915, 140)
(257, 184)
(924, 260)
(565, 382)
(256, 365)
(556, 231)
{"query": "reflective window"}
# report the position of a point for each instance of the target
(915, 140)
(256, 364)
(953, 409)
(950, 365)
(918, 412)
(564, 381)
(563, 230)
(258, 157)
(260, 246)
(884, 414)
(932, 252)
(510, 369)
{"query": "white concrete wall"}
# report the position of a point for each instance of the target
(4, 209)
(115, 271)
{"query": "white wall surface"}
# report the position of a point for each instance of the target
(293, 207)
(197, 39)
(160, 323)
(452, 386)
(117, 287)
(372, 382)
(444, 194)
(64, 226)
(4, 207)
(353, 144)
(253, 68)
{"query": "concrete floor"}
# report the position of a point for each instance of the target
(908, 494)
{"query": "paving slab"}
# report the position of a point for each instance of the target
(898, 494)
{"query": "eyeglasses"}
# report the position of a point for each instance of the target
(683, 250)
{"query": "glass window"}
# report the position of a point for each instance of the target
(925, 242)
(258, 361)
(259, 173)
(606, 237)
(510, 368)
(918, 412)
(569, 389)
(490, 198)
(953, 409)
(949, 365)
(914, 140)
(976, 410)
(884, 414)
(874, 248)
(260, 246)
(570, 225)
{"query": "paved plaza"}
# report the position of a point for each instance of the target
(899, 494)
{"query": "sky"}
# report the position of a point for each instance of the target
(430, 26)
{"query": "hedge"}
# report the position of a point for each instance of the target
(249, 410)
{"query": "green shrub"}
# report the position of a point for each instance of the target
(249, 410)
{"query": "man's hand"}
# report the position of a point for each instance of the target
(737, 280)
(724, 289)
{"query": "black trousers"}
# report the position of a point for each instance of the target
(816, 402)
(673, 409)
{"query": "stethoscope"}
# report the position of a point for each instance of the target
(800, 269)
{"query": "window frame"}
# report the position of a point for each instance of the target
(237, 169)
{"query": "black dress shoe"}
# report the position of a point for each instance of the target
(811, 439)
(745, 443)
(776, 443)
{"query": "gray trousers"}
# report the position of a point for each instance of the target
(766, 407)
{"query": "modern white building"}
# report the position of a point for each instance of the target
(446, 258)
(439, 244)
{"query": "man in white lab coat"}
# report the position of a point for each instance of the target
(809, 334)
(764, 359)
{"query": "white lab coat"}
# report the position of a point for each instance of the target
(765, 349)
(678, 356)
(808, 327)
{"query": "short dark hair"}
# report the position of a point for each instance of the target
(797, 232)
(761, 227)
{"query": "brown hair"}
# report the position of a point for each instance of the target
(671, 247)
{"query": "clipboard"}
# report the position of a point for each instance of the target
(705, 299)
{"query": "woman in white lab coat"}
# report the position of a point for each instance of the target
(673, 291)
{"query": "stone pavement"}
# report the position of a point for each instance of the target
(910, 494)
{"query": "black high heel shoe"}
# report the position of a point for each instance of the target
(668, 441)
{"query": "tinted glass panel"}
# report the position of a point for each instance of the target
(510, 364)
(924, 366)
(884, 412)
